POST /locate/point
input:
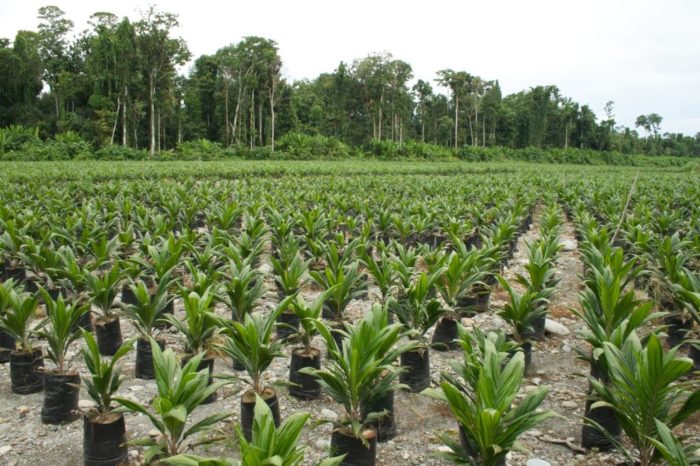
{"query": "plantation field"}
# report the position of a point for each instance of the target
(570, 261)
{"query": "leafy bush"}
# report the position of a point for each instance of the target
(117, 152)
(300, 146)
(15, 136)
(199, 149)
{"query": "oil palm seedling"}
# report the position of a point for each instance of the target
(145, 312)
(303, 385)
(289, 278)
(242, 290)
(181, 390)
(522, 312)
(417, 313)
(250, 343)
(360, 372)
(61, 384)
(460, 276)
(490, 420)
(198, 329)
(26, 360)
(646, 386)
(269, 443)
(104, 430)
(347, 283)
(102, 289)
(612, 314)
(7, 341)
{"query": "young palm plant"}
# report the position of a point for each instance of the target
(104, 431)
(347, 283)
(461, 275)
(612, 315)
(303, 385)
(102, 288)
(522, 312)
(269, 444)
(199, 328)
(180, 391)
(289, 280)
(646, 387)
(26, 361)
(61, 385)
(484, 405)
(417, 313)
(145, 312)
(249, 342)
(360, 372)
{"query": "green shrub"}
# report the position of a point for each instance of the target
(300, 146)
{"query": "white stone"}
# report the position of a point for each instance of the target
(570, 404)
(136, 388)
(555, 328)
(5, 449)
(328, 414)
(568, 245)
(537, 462)
(322, 444)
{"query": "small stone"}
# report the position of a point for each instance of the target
(322, 443)
(570, 404)
(136, 388)
(535, 433)
(23, 411)
(566, 348)
(567, 245)
(537, 462)
(153, 433)
(555, 328)
(86, 404)
(406, 455)
(536, 381)
(328, 414)
(5, 449)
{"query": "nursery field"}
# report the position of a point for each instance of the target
(397, 313)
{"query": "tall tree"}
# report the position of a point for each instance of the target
(53, 49)
(160, 54)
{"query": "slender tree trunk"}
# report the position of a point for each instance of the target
(235, 128)
(227, 140)
(381, 117)
(566, 135)
(456, 120)
(483, 132)
(124, 113)
(151, 103)
(251, 128)
(272, 116)
(476, 124)
(261, 142)
(116, 120)
(58, 113)
(159, 140)
(422, 125)
(471, 128)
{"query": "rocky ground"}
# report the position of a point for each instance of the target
(24, 440)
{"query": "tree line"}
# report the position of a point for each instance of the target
(117, 83)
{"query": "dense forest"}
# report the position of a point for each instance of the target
(118, 84)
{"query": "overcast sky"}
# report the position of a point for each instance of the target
(642, 54)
